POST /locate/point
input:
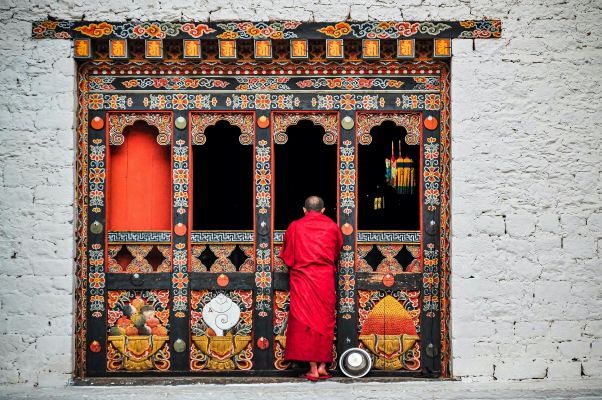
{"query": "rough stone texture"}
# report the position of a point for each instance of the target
(527, 217)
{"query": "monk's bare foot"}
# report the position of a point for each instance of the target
(322, 369)
(313, 370)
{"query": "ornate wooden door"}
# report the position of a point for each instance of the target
(167, 292)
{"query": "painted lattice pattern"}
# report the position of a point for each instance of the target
(139, 258)
(222, 258)
(388, 258)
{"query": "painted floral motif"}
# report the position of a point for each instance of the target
(419, 101)
(444, 290)
(263, 101)
(263, 177)
(175, 83)
(346, 280)
(101, 83)
(262, 83)
(329, 121)
(431, 174)
(97, 175)
(350, 83)
(427, 83)
(409, 121)
(278, 263)
(179, 101)
(181, 184)
(347, 102)
(118, 122)
(347, 177)
(259, 30)
(430, 281)
(221, 325)
(263, 280)
(201, 121)
(281, 307)
(181, 176)
(179, 280)
(96, 280)
(97, 101)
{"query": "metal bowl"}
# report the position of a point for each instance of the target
(355, 362)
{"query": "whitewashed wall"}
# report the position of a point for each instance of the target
(527, 218)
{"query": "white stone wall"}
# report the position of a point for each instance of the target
(526, 172)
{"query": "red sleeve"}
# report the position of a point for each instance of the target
(339, 241)
(287, 254)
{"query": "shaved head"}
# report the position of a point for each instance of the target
(314, 203)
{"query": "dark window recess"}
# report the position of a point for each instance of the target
(155, 258)
(237, 257)
(304, 166)
(222, 181)
(380, 205)
(404, 257)
(124, 257)
(374, 257)
(207, 257)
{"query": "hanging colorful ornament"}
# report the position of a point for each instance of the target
(393, 166)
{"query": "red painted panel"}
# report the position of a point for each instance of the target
(139, 182)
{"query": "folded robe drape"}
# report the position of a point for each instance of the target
(310, 248)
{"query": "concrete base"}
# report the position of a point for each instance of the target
(343, 389)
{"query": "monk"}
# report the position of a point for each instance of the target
(310, 248)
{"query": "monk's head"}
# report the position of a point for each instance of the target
(313, 203)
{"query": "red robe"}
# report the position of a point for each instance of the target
(310, 248)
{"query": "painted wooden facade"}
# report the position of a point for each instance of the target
(181, 301)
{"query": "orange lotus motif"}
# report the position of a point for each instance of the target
(388, 333)
(138, 350)
(221, 349)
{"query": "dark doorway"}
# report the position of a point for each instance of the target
(382, 206)
(222, 181)
(304, 166)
